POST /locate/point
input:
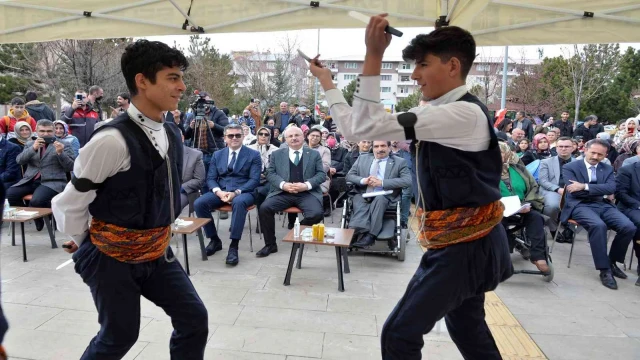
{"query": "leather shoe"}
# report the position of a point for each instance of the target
(39, 224)
(232, 257)
(290, 225)
(224, 215)
(266, 250)
(213, 247)
(617, 272)
(607, 280)
(365, 241)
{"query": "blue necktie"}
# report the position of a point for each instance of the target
(594, 176)
(232, 162)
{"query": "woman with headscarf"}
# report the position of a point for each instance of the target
(62, 133)
(627, 149)
(517, 181)
(274, 140)
(22, 132)
(248, 136)
(265, 148)
(630, 131)
(540, 150)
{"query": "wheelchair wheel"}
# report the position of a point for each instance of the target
(549, 276)
(402, 247)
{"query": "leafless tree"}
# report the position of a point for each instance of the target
(488, 83)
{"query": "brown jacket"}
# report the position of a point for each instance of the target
(256, 114)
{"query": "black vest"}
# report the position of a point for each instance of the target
(450, 178)
(296, 173)
(139, 197)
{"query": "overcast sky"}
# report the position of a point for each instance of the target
(345, 42)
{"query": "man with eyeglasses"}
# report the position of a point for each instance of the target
(295, 174)
(17, 112)
(233, 175)
(552, 184)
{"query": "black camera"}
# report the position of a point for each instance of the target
(201, 105)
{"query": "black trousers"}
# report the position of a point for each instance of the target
(450, 283)
(634, 216)
(310, 205)
(533, 223)
(41, 198)
(116, 288)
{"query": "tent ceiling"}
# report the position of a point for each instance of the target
(494, 22)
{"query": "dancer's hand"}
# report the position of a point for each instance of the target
(70, 247)
(376, 39)
(318, 70)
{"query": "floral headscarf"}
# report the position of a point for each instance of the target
(626, 125)
(508, 158)
(628, 145)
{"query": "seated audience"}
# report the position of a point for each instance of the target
(337, 172)
(295, 174)
(630, 130)
(407, 193)
(628, 196)
(505, 128)
(193, 173)
(575, 150)
(363, 147)
(248, 136)
(62, 133)
(613, 152)
(17, 113)
(265, 149)
(589, 182)
(517, 134)
(375, 172)
(552, 186)
(627, 150)
(10, 171)
(552, 137)
(516, 181)
(22, 133)
(314, 139)
(633, 158)
(540, 150)
(523, 147)
(234, 173)
(48, 162)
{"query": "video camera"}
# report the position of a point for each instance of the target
(201, 105)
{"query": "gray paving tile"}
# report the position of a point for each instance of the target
(27, 316)
(441, 350)
(159, 331)
(67, 299)
(221, 294)
(44, 345)
(630, 326)
(19, 295)
(229, 279)
(356, 288)
(306, 320)
(562, 325)
(267, 340)
(360, 305)
(629, 308)
(286, 299)
(565, 347)
(350, 347)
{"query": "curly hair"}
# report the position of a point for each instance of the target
(446, 43)
(148, 58)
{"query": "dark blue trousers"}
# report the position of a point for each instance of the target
(208, 202)
(596, 218)
(116, 288)
(634, 216)
(450, 283)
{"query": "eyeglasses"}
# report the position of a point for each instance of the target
(263, 134)
(231, 136)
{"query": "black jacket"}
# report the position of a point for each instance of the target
(220, 121)
(566, 128)
(338, 156)
(39, 111)
(584, 132)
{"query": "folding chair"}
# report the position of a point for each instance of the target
(228, 208)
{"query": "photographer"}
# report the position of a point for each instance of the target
(256, 113)
(208, 133)
(81, 117)
(48, 162)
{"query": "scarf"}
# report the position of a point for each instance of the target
(508, 159)
(16, 132)
(66, 128)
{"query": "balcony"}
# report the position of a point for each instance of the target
(404, 71)
(407, 83)
(402, 95)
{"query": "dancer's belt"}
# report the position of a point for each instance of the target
(442, 228)
(129, 245)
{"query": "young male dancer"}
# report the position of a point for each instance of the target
(458, 166)
(125, 177)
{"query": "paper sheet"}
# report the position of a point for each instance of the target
(377, 193)
(512, 205)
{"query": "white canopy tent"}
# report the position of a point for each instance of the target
(493, 22)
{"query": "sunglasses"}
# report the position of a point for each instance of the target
(263, 134)
(231, 136)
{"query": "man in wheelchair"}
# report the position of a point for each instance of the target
(374, 173)
(516, 180)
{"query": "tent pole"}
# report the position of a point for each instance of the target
(315, 97)
(453, 7)
(505, 68)
(191, 22)
(579, 13)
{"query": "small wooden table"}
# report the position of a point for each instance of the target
(41, 212)
(196, 227)
(340, 241)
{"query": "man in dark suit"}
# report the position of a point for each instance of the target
(589, 182)
(295, 174)
(10, 171)
(193, 173)
(48, 162)
(375, 172)
(233, 174)
(628, 195)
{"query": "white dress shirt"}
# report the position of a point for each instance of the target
(292, 158)
(456, 124)
(238, 191)
(103, 156)
(586, 186)
(382, 166)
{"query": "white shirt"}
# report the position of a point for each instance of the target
(292, 158)
(238, 191)
(586, 186)
(382, 166)
(456, 124)
(105, 155)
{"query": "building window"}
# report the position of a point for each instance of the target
(333, 66)
(387, 66)
(403, 89)
(351, 65)
(385, 89)
(349, 76)
(385, 77)
(483, 67)
(405, 78)
(406, 66)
